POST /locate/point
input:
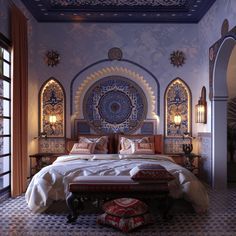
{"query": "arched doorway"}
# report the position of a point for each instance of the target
(231, 118)
(219, 96)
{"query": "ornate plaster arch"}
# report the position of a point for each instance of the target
(109, 71)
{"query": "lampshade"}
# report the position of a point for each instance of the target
(52, 119)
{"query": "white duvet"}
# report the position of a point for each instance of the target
(51, 182)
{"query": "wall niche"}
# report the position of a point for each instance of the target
(52, 109)
(178, 119)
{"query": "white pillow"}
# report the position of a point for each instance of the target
(100, 144)
(82, 148)
(126, 144)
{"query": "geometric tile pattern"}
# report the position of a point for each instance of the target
(177, 101)
(17, 219)
(115, 104)
(56, 145)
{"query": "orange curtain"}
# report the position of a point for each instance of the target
(19, 101)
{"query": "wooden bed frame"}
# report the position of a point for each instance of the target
(114, 187)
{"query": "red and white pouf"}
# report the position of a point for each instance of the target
(125, 214)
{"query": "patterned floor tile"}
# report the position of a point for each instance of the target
(17, 220)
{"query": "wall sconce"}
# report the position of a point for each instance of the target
(177, 118)
(201, 108)
(52, 119)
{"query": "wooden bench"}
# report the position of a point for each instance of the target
(110, 187)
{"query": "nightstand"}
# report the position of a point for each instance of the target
(42, 159)
(192, 163)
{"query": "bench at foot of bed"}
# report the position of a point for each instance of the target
(111, 187)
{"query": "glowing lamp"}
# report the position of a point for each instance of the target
(52, 119)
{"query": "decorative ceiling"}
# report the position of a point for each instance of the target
(159, 11)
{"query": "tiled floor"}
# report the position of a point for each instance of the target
(17, 219)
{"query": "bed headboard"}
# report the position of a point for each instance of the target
(114, 141)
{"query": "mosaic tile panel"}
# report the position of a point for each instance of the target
(55, 145)
(177, 100)
(175, 145)
(52, 103)
(148, 127)
(115, 104)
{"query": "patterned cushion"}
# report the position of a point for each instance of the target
(151, 172)
(125, 207)
(82, 148)
(101, 144)
(126, 144)
(125, 224)
(142, 148)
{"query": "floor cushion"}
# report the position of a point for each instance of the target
(125, 207)
(125, 224)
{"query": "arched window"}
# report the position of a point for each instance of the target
(177, 109)
(52, 109)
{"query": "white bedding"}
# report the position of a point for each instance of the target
(51, 182)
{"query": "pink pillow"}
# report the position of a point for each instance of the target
(82, 148)
(100, 144)
(125, 224)
(151, 172)
(142, 148)
(125, 207)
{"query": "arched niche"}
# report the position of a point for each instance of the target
(52, 109)
(219, 58)
(178, 99)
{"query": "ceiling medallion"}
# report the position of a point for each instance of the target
(115, 54)
(177, 58)
(52, 58)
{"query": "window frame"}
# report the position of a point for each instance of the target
(6, 44)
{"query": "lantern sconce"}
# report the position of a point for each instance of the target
(201, 108)
(177, 118)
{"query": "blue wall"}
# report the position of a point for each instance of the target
(149, 45)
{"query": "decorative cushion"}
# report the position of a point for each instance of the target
(101, 144)
(151, 172)
(125, 207)
(142, 148)
(126, 144)
(82, 148)
(125, 224)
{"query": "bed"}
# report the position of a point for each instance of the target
(51, 183)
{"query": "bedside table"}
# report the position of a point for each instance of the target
(42, 159)
(178, 158)
(192, 163)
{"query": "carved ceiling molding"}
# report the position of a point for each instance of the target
(162, 11)
(85, 3)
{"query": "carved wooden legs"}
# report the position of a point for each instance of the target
(74, 204)
(167, 205)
